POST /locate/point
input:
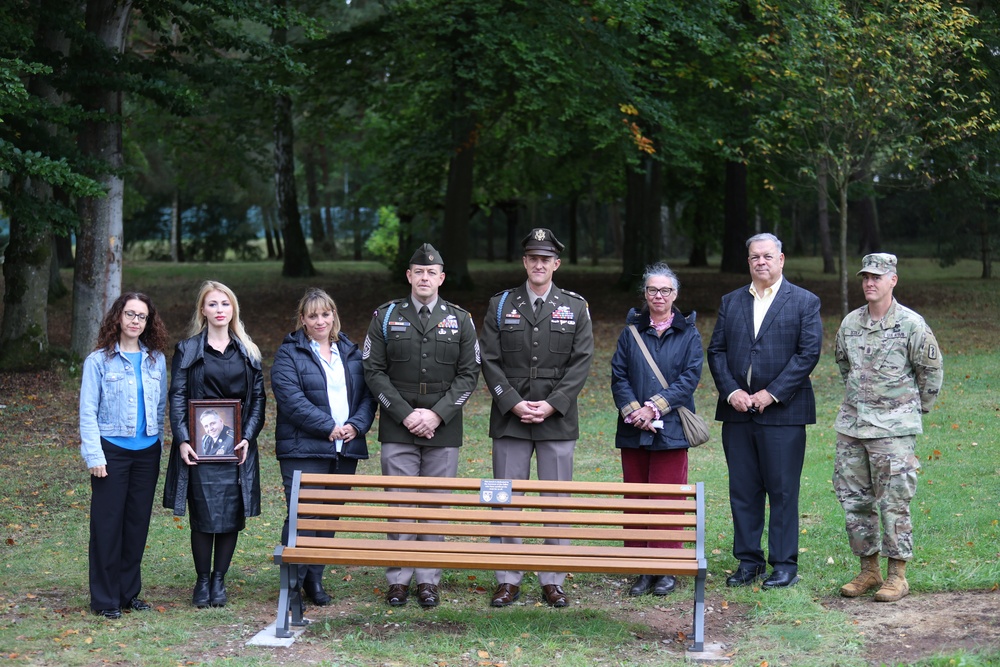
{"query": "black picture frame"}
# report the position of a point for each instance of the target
(228, 412)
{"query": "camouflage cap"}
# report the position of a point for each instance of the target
(426, 255)
(541, 241)
(878, 263)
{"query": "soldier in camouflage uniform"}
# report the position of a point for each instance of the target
(421, 361)
(892, 370)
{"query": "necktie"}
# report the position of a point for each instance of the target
(425, 315)
(538, 306)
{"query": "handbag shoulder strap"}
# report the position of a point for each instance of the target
(649, 357)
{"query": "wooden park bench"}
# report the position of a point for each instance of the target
(475, 514)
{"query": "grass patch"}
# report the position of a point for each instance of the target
(44, 506)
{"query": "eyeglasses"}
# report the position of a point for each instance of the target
(132, 315)
(663, 291)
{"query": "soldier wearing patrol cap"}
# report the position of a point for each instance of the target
(421, 361)
(892, 370)
(537, 346)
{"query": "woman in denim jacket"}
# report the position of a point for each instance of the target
(324, 407)
(218, 361)
(121, 447)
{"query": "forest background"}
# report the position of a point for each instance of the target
(636, 129)
(279, 143)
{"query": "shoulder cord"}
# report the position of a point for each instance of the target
(385, 321)
(503, 298)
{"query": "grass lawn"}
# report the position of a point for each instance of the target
(950, 618)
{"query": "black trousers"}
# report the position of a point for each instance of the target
(338, 466)
(121, 505)
(765, 465)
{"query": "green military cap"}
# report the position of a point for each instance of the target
(426, 255)
(541, 241)
(878, 263)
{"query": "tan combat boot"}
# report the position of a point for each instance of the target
(870, 577)
(895, 587)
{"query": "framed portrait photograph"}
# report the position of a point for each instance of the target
(214, 426)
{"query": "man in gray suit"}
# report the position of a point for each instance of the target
(766, 342)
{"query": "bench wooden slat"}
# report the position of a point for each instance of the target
(354, 514)
(498, 516)
(490, 548)
(467, 561)
(468, 484)
(487, 530)
(607, 503)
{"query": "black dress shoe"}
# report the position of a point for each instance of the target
(315, 592)
(745, 576)
(397, 594)
(427, 595)
(664, 585)
(109, 613)
(642, 585)
(780, 579)
(505, 595)
(138, 604)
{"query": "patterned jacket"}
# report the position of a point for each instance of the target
(892, 373)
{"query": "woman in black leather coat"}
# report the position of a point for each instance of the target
(324, 407)
(218, 361)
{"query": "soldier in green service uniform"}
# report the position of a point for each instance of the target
(537, 343)
(892, 370)
(421, 361)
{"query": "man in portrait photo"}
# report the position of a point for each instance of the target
(218, 439)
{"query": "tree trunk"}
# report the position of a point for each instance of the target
(64, 250)
(265, 219)
(490, 231)
(643, 226)
(457, 203)
(330, 231)
(57, 288)
(359, 245)
(97, 279)
(985, 248)
(511, 211)
(24, 339)
(823, 217)
(573, 214)
(842, 187)
(297, 263)
(176, 230)
(734, 236)
(312, 200)
(593, 228)
(865, 212)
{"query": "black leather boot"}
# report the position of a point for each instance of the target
(217, 587)
(200, 597)
(642, 584)
(314, 590)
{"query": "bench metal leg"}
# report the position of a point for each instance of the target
(699, 614)
(289, 601)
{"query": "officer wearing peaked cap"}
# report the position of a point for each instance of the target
(537, 347)
(421, 361)
(892, 370)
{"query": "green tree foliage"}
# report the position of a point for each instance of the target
(863, 85)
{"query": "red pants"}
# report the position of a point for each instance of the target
(668, 466)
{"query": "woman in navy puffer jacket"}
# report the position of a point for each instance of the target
(324, 407)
